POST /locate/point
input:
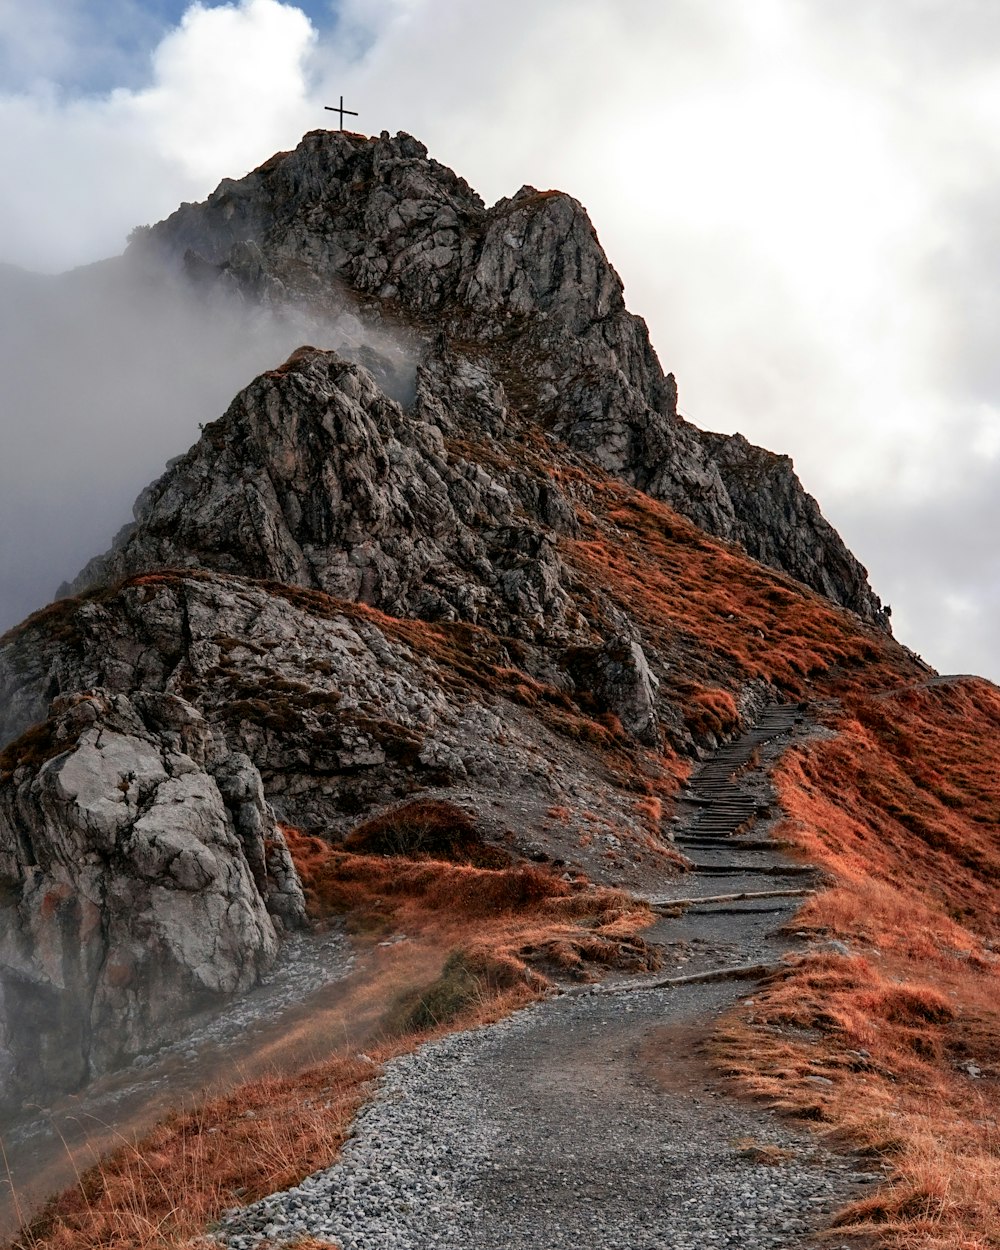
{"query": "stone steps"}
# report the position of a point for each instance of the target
(722, 811)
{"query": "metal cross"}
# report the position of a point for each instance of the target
(331, 108)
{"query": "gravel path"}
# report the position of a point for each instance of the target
(588, 1120)
(570, 1124)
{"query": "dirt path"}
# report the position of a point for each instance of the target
(592, 1120)
(324, 994)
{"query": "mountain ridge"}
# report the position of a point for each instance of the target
(526, 281)
(483, 570)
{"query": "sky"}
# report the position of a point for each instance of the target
(800, 197)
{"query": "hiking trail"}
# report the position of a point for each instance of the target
(594, 1118)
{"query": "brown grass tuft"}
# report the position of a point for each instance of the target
(426, 829)
(521, 913)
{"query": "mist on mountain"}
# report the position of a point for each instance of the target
(109, 371)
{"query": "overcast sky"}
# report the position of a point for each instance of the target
(800, 196)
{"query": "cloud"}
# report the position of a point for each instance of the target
(108, 372)
(227, 88)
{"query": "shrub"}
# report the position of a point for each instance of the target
(467, 981)
(426, 829)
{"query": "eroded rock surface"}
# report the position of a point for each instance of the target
(526, 280)
(314, 477)
(339, 708)
(142, 874)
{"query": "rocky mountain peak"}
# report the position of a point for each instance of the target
(478, 556)
(524, 291)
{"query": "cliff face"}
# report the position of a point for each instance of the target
(458, 577)
(528, 284)
(316, 478)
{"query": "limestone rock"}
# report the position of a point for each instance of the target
(338, 710)
(527, 280)
(316, 478)
(780, 525)
(628, 687)
(137, 886)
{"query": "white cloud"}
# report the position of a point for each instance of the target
(228, 87)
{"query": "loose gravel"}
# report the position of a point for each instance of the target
(548, 1130)
(584, 1121)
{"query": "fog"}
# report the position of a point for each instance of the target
(108, 372)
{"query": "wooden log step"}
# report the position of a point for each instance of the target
(668, 905)
(756, 870)
(736, 843)
(737, 972)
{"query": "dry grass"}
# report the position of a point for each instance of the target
(719, 617)
(426, 829)
(478, 942)
(160, 1192)
(896, 1046)
(711, 711)
(762, 1152)
(519, 920)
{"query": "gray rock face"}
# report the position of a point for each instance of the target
(528, 282)
(316, 478)
(340, 710)
(780, 525)
(142, 875)
(625, 681)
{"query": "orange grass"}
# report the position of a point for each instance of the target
(902, 807)
(515, 920)
(908, 795)
(426, 829)
(161, 1191)
(718, 616)
(489, 932)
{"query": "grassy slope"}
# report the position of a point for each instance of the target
(901, 806)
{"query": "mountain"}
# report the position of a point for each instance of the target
(362, 583)
(524, 290)
(473, 559)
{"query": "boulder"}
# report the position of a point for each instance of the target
(143, 877)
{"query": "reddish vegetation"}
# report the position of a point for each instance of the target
(720, 617)
(426, 829)
(515, 919)
(159, 1193)
(478, 941)
(909, 794)
(711, 711)
(902, 807)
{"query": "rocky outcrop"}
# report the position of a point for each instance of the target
(780, 525)
(142, 876)
(340, 709)
(378, 221)
(316, 478)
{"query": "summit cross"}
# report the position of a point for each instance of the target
(333, 108)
